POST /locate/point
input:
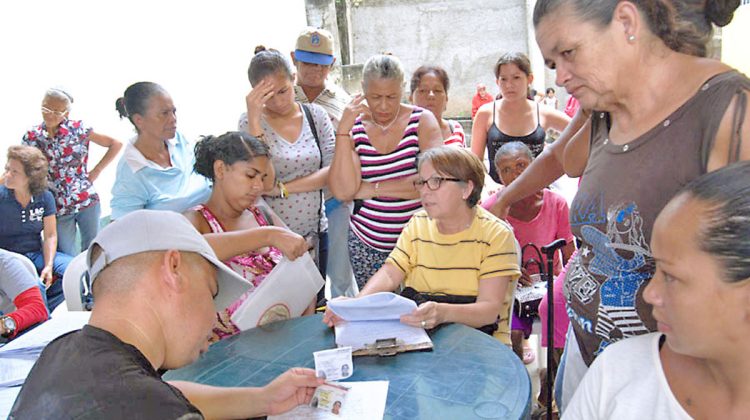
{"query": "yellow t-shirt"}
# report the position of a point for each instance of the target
(455, 264)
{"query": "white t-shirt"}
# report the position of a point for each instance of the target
(626, 382)
(550, 101)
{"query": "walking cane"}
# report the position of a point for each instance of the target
(549, 252)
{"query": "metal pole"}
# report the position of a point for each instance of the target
(549, 252)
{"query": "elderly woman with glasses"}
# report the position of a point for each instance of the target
(455, 258)
(65, 143)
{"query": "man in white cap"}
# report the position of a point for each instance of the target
(157, 285)
(313, 58)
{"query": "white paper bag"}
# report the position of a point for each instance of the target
(285, 293)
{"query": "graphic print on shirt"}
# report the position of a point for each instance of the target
(35, 214)
(617, 258)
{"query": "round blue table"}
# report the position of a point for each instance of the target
(467, 375)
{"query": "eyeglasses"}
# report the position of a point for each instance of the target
(433, 182)
(46, 110)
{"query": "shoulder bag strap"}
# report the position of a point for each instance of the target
(311, 122)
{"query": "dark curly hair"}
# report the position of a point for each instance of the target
(684, 26)
(35, 166)
(229, 148)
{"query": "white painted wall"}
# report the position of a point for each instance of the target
(199, 51)
(734, 49)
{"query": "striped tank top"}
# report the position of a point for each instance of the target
(379, 221)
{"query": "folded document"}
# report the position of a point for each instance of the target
(285, 293)
(373, 325)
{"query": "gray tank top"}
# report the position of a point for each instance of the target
(623, 189)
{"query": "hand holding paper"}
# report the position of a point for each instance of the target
(285, 293)
(427, 315)
(375, 307)
(376, 317)
(329, 317)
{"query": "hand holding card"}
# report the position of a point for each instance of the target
(334, 364)
(329, 397)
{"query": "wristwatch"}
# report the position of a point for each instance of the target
(8, 325)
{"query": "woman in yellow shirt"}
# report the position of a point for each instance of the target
(452, 251)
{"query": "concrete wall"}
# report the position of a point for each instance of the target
(322, 14)
(464, 36)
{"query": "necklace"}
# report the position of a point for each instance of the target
(387, 126)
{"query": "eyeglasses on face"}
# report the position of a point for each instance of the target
(46, 110)
(433, 182)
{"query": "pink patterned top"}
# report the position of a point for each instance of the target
(253, 266)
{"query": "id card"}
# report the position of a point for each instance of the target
(334, 364)
(329, 397)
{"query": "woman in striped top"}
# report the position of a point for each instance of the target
(429, 90)
(375, 162)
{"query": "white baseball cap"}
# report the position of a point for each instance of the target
(159, 230)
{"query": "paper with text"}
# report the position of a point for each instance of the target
(374, 317)
(18, 356)
(14, 371)
(334, 364)
(7, 399)
(364, 401)
(377, 306)
(360, 334)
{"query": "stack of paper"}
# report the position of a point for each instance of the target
(375, 317)
(18, 356)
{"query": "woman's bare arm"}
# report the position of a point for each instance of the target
(544, 170)
(479, 130)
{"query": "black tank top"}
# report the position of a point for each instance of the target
(496, 139)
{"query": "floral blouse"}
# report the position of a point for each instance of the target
(68, 155)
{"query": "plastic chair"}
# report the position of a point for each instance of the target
(25, 261)
(76, 285)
